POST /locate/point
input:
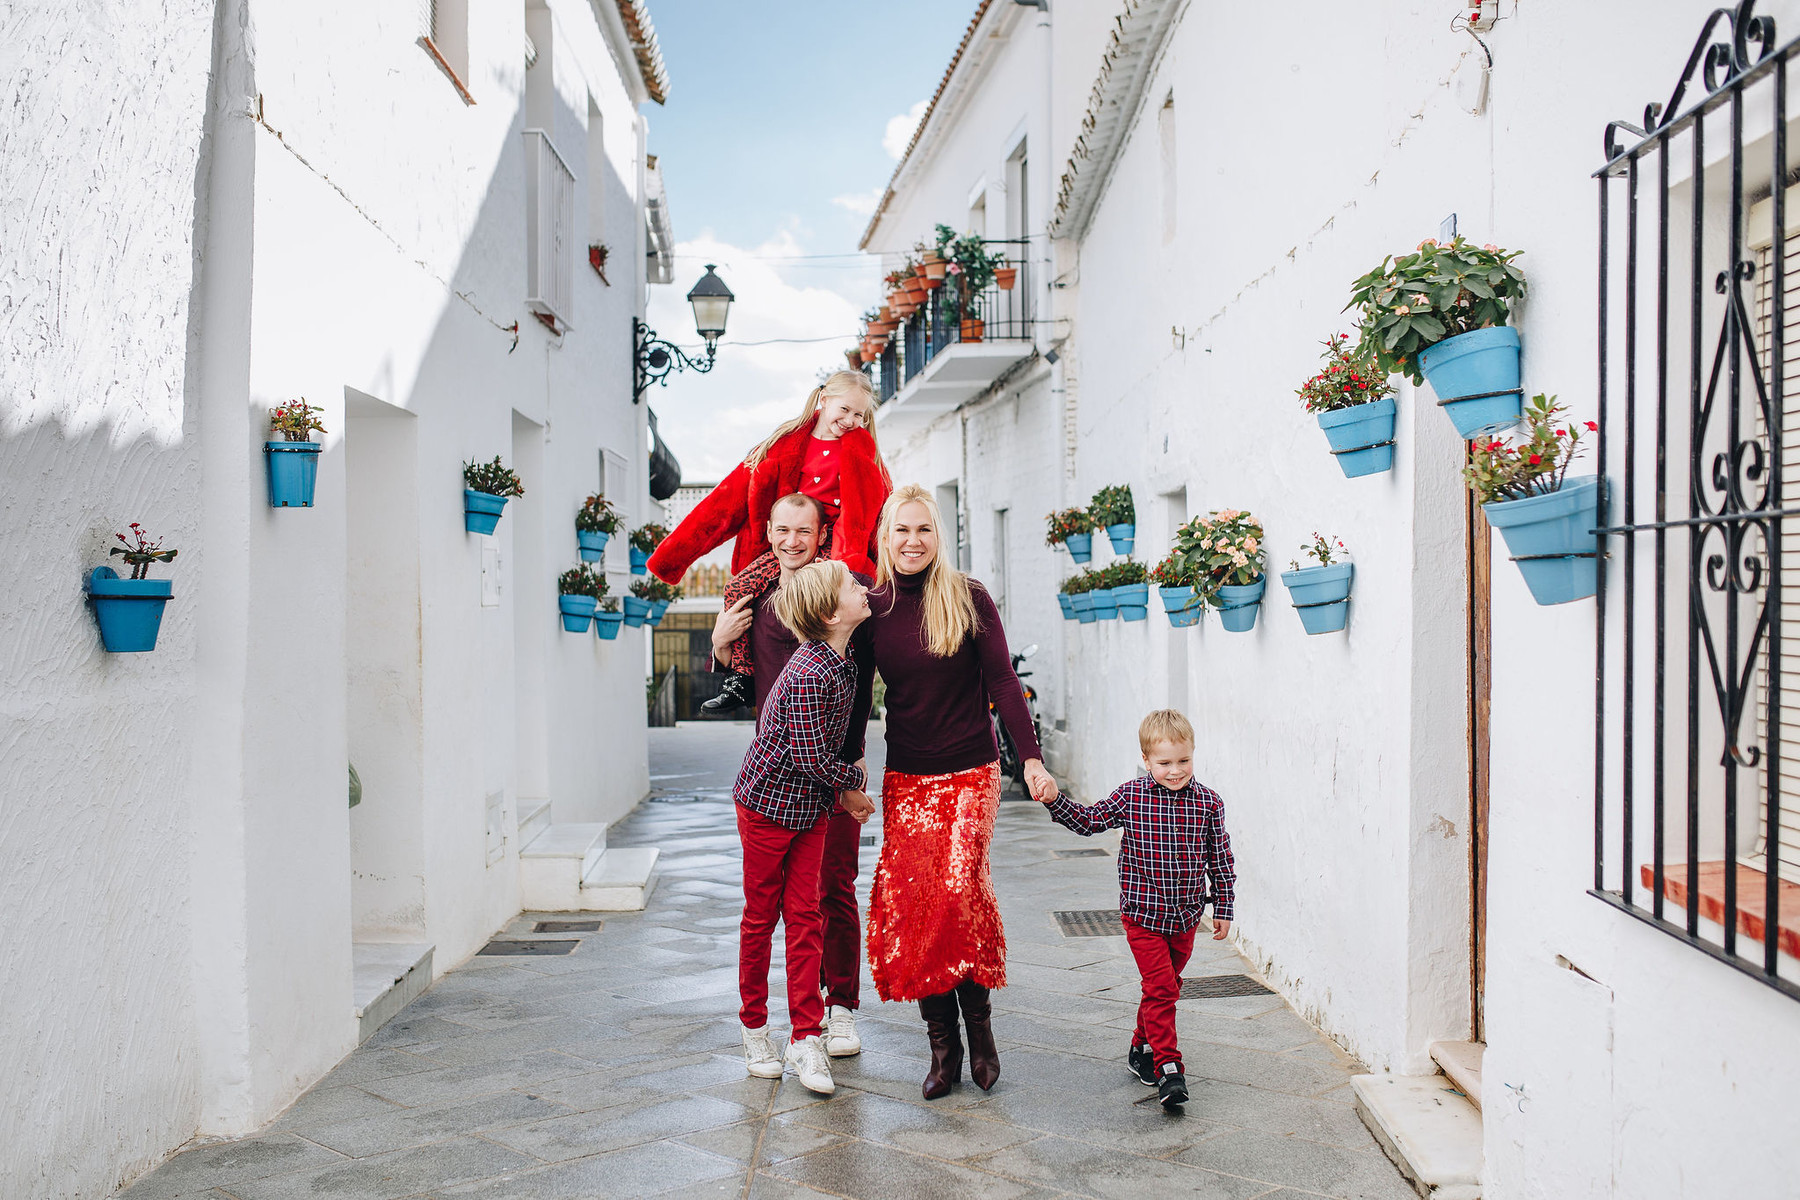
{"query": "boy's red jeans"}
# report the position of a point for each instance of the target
(840, 972)
(1160, 959)
(781, 882)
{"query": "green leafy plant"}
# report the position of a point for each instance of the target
(1081, 581)
(1223, 548)
(1068, 521)
(609, 603)
(1112, 505)
(139, 551)
(494, 478)
(1173, 571)
(581, 581)
(296, 420)
(1417, 300)
(1323, 550)
(1128, 572)
(648, 537)
(969, 271)
(597, 515)
(653, 589)
(1535, 465)
(1345, 381)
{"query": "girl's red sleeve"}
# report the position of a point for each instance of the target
(863, 487)
(714, 521)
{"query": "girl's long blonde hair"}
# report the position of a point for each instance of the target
(838, 383)
(949, 608)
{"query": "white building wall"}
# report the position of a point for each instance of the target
(1343, 759)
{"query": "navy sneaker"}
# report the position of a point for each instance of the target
(1142, 1061)
(1171, 1086)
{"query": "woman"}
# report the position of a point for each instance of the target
(934, 928)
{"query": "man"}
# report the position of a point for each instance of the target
(796, 525)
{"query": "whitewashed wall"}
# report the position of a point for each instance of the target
(1342, 758)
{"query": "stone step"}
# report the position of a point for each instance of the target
(534, 820)
(621, 880)
(385, 978)
(1428, 1128)
(1461, 1061)
(567, 840)
(552, 864)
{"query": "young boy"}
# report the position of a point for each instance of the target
(790, 780)
(1174, 840)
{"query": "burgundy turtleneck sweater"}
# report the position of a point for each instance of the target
(937, 708)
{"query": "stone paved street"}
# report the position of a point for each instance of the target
(614, 1071)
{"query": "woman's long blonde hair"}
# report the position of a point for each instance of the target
(838, 383)
(949, 609)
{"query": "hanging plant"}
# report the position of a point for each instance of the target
(290, 454)
(486, 489)
(129, 611)
(1414, 301)
(1546, 516)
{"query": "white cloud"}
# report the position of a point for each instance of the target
(710, 420)
(861, 203)
(900, 130)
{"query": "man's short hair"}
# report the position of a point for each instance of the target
(800, 498)
(808, 598)
(1165, 725)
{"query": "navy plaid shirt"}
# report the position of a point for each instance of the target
(1173, 842)
(793, 773)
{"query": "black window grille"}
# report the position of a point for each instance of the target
(1697, 747)
(993, 314)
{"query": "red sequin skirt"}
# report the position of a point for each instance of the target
(933, 920)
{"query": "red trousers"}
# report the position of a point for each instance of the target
(1160, 958)
(840, 967)
(781, 882)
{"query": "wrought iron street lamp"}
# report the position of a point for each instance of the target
(654, 359)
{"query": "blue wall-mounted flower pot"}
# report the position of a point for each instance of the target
(1080, 546)
(1066, 602)
(577, 611)
(1123, 536)
(293, 473)
(481, 512)
(1552, 539)
(1184, 608)
(1482, 364)
(1133, 600)
(1361, 438)
(1084, 607)
(636, 611)
(639, 561)
(657, 609)
(1106, 608)
(1321, 595)
(1238, 604)
(129, 611)
(606, 624)
(593, 545)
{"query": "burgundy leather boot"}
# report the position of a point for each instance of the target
(984, 1056)
(946, 1044)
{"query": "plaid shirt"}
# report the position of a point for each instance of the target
(793, 774)
(1173, 841)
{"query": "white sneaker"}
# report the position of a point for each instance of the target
(760, 1058)
(807, 1058)
(840, 1032)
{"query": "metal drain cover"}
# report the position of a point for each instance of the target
(566, 927)
(868, 839)
(1094, 853)
(1213, 987)
(531, 949)
(1090, 922)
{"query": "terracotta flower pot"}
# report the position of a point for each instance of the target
(916, 288)
(881, 328)
(885, 315)
(906, 306)
(1004, 277)
(865, 355)
(933, 266)
(972, 328)
(934, 282)
(856, 358)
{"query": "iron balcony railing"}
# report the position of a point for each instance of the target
(992, 314)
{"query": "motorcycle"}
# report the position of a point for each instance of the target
(1011, 765)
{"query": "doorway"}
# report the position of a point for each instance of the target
(1480, 679)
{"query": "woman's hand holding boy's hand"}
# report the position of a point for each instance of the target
(1039, 782)
(1221, 930)
(857, 804)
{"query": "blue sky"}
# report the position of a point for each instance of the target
(772, 147)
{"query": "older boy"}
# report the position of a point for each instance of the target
(1174, 840)
(789, 782)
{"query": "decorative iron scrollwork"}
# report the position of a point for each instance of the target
(1719, 61)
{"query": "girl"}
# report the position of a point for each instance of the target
(828, 452)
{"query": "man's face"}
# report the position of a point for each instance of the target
(794, 535)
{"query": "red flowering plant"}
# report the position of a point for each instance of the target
(648, 537)
(1535, 464)
(295, 421)
(581, 581)
(495, 478)
(1063, 524)
(1081, 581)
(1347, 379)
(1324, 550)
(1412, 302)
(139, 551)
(1173, 571)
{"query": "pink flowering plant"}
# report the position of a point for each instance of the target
(139, 551)
(296, 420)
(1223, 548)
(1412, 302)
(1345, 381)
(1535, 464)
(1324, 551)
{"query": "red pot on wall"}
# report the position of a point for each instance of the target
(1004, 277)
(972, 329)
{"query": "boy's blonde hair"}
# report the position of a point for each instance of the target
(949, 607)
(808, 599)
(838, 383)
(1165, 725)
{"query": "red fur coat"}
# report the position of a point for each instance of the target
(739, 507)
